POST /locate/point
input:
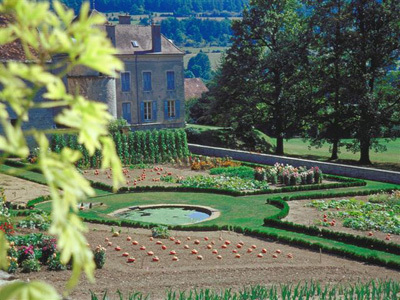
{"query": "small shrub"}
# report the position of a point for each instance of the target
(7, 228)
(99, 256)
(26, 253)
(30, 265)
(160, 232)
(54, 263)
(48, 248)
(13, 265)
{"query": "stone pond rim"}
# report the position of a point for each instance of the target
(212, 212)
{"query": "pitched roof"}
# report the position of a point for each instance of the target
(13, 50)
(194, 88)
(126, 33)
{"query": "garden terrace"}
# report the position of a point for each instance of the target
(257, 216)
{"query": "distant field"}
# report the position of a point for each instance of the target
(215, 58)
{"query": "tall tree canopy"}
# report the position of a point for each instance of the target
(262, 80)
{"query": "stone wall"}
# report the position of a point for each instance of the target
(326, 167)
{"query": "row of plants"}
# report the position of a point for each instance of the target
(289, 175)
(31, 252)
(302, 241)
(199, 162)
(138, 147)
(236, 184)
(360, 215)
(374, 289)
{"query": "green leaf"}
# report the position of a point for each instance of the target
(35, 290)
(3, 251)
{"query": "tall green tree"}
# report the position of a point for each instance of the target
(374, 52)
(330, 23)
(262, 82)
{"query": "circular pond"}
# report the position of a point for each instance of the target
(167, 214)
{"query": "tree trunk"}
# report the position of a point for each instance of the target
(335, 146)
(279, 146)
(364, 152)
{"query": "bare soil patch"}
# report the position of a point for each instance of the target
(155, 278)
(19, 191)
(301, 214)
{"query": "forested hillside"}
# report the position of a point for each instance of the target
(182, 6)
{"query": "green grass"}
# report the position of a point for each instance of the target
(299, 147)
(231, 208)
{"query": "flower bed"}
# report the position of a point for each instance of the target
(225, 183)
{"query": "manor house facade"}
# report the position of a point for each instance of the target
(149, 94)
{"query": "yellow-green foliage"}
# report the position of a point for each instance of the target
(48, 33)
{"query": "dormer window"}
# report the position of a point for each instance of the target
(134, 44)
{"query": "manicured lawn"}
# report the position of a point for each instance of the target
(239, 211)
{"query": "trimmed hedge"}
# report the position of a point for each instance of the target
(280, 203)
(338, 194)
(373, 259)
(33, 202)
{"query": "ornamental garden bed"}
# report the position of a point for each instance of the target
(155, 277)
(222, 175)
(368, 216)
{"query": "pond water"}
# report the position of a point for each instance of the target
(165, 215)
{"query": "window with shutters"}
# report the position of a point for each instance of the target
(147, 111)
(126, 81)
(170, 80)
(147, 81)
(171, 109)
(126, 112)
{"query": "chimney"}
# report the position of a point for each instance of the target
(110, 29)
(125, 19)
(156, 37)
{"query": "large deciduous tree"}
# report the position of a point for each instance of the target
(374, 52)
(330, 23)
(262, 83)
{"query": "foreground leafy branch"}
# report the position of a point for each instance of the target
(44, 34)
